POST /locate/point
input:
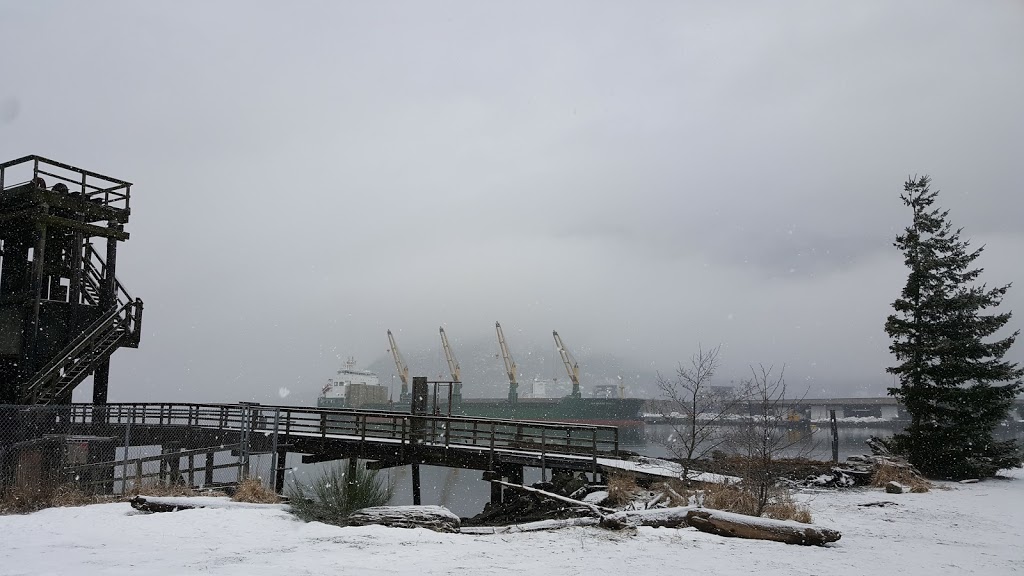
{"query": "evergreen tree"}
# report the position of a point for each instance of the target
(954, 383)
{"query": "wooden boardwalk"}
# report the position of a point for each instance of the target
(498, 447)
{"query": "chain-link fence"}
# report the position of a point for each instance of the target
(129, 448)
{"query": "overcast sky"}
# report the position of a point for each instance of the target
(641, 176)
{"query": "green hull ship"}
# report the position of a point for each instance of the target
(623, 413)
(361, 389)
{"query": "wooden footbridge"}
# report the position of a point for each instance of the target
(188, 432)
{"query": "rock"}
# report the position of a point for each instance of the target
(894, 487)
(436, 518)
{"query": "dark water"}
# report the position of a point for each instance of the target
(464, 492)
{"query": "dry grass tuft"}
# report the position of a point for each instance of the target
(732, 498)
(252, 490)
(621, 489)
(70, 495)
(886, 473)
(728, 498)
(157, 489)
(783, 508)
(21, 500)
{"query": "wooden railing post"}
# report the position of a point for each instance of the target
(491, 466)
(543, 459)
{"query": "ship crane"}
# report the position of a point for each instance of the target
(403, 370)
(510, 366)
(453, 364)
(571, 366)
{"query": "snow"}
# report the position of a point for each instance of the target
(665, 469)
(208, 502)
(960, 528)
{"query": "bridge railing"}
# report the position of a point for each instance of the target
(380, 426)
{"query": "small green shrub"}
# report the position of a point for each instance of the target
(332, 497)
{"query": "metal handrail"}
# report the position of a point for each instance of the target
(111, 189)
(458, 431)
(76, 346)
(97, 272)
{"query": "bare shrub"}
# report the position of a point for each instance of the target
(252, 490)
(621, 489)
(701, 406)
(885, 473)
(764, 437)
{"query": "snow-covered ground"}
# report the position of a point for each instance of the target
(971, 528)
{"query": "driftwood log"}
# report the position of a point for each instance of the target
(148, 505)
(656, 518)
(724, 524)
(436, 518)
(703, 519)
(740, 526)
(531, 526)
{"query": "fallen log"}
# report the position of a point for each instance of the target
(740, 526)
(175, 503)
(532, 526)
(436, 518)
(655, 518)
(146, 505)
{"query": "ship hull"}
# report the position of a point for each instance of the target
(623, 413)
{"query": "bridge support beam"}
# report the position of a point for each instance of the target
(516, 475)
(208, 472)
(282, 464)
(100, 382)
(496, 489)
(416, 497)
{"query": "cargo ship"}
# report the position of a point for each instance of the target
(361, 389)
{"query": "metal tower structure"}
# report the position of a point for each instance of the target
(62, 310)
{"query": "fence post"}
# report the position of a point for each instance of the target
(835, 436)
(127, 444)
(274, 458)
(593, 444)
(243, 448)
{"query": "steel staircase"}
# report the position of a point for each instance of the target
(120, 326)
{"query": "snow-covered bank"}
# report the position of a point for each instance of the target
(973, 528)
